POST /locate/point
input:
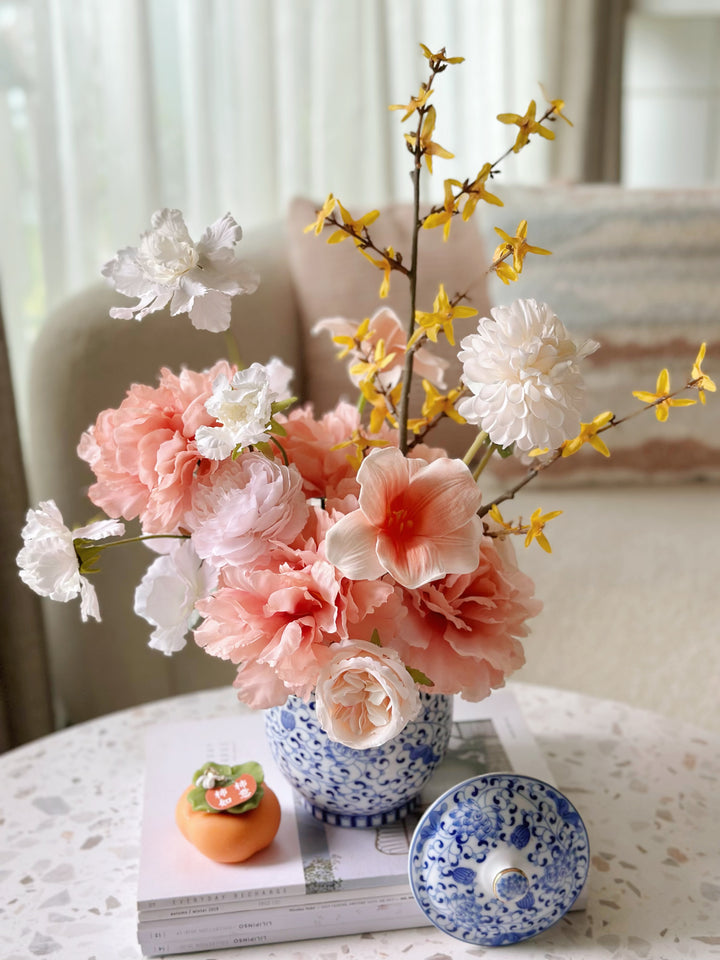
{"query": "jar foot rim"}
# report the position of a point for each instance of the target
(361, 820)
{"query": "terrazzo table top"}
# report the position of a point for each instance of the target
(648, 789)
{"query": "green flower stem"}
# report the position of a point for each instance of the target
(485, 460)
(475, 447)
(233, 350)
(145, 536)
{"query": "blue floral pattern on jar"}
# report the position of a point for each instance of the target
(358, 788)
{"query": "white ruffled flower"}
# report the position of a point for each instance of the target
(49, 563)
(364, 695)
(194, 278)
(167, 594)
(244, 407)
(522, 370)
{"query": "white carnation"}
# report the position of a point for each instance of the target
(194, 278)
(522, 370)
(49, 563)
(243, 406)
(167, 594)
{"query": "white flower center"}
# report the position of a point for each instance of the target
(165, 259)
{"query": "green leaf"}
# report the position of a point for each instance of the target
(280, 405)
(196, 796)
(88, 553)
(419, 677)
(277, 428)
(505, 452)
(375, 638)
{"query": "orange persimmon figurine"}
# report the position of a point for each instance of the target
(228, 812)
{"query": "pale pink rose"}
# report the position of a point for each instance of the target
(364, 695)
(244, 508)
(144, 454)
(463, 631)
(385, 325)
(284, 617)
(416, 521)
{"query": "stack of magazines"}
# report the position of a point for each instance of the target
(314, 880)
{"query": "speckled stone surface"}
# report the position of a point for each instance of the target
(648, 789)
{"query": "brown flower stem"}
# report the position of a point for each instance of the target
(417, 152)
(690, 385)
(465, 188)
(556, 454)
(365, 242)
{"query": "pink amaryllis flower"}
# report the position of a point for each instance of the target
(416, 521)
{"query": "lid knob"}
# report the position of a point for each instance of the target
(510, 884)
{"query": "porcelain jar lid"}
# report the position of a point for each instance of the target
(498, 859)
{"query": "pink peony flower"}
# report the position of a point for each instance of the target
(463, 630)
(385, 325)
(284, 617)
(364, 695)
(144, 454)
(312, 445)
(244, 507)
(416, 521)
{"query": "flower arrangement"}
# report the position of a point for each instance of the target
(343, 555)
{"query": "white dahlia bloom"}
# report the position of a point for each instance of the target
(199, 279)
(522, 370)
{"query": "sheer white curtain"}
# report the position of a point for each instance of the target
(110, 109)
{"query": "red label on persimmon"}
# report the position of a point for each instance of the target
(241, 790)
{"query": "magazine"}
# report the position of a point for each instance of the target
(314, 879)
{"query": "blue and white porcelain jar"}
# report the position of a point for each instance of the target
(358, 788)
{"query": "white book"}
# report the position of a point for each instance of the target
(314, 879)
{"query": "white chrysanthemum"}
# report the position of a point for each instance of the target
(48, 562)
(194, 278)
(167, 594)
(243, 407)
(522, 370)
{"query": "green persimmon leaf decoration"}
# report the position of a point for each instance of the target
(224, 775)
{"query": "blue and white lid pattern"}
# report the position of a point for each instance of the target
(498, 859)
